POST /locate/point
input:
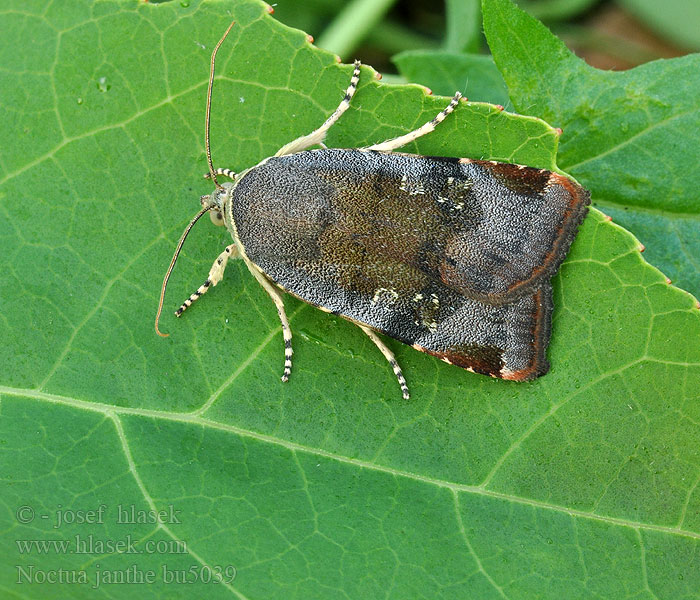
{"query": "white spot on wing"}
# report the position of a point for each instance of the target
(412, 187)
(386, 295)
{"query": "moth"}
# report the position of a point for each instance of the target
(452, 256)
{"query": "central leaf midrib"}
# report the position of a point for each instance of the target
(191, 418)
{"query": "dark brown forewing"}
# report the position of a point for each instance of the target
(491, 231)
(371, 236)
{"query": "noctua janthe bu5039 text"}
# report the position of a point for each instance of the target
(452, 256)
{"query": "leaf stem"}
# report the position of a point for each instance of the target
(352, 24)
(394, 38)
(463, 25)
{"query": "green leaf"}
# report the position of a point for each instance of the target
(581, 484)
(632, 137)
(463, 24)
(445, 72)
(676, 20)
(551, 10)
(672, 241)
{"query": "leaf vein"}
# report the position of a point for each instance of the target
(479, 490)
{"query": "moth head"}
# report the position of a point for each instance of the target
(217, 201)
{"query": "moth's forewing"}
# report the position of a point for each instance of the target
(491, 231)
(508, 341)
(449, 255)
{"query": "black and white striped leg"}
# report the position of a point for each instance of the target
(389, 355)
(225, 172)
(317, 136)
(402, 140)
(286, 329)
(215, 274)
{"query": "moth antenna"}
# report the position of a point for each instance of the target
(172, 265)
(211, 84)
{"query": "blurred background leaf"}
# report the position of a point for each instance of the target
(555, 10)
(675, 20)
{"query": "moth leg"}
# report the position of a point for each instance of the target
(286, 329)
(402, 140)
(317, 136)
(225, 172)
(389, 355)
(215, 274)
